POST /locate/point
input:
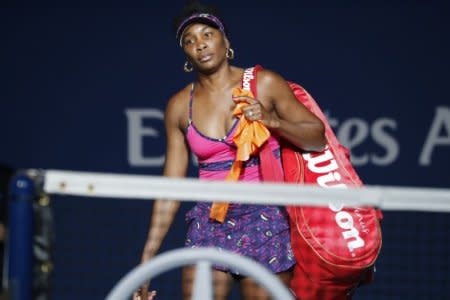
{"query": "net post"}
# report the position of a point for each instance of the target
(43, 239)
(202, 289)
(20, 237)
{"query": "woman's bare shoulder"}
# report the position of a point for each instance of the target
(181, 96)
(180, 99)
(178, 105)
(271, 85)
(269, 78)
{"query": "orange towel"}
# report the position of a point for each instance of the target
(248, 137)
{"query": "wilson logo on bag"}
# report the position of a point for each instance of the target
(323, 170)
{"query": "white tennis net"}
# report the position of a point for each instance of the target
(185, 189)
(414, 260)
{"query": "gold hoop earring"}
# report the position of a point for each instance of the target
(188, 67)
(230, 53)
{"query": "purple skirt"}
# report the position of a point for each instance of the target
(257, 232)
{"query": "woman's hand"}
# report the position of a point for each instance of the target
(144, 294)
(255, 111)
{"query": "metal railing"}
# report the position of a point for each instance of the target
(202, 288)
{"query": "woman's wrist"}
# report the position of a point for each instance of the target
(273, 123)
(149, 251)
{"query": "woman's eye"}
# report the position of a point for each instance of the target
(208, 34)
(188, 42)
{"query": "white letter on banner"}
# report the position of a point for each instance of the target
(440, 121)
(351, 134)
(136, 134)
(384, 139)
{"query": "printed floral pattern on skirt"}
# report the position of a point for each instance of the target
(257, 232)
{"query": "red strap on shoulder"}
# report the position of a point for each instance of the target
(270, 167)
(253, 81)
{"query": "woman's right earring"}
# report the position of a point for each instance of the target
(188, 67)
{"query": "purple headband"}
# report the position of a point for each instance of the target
(207, 17)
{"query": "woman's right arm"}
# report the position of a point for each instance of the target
(176, 164)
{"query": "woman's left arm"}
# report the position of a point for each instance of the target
(280, 111)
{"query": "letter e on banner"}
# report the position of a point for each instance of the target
(136, 134)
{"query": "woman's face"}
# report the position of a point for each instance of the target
(205, 46)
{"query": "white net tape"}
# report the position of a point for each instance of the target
(186, 189)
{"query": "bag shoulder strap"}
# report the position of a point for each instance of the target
(249, 79)
(270, 168)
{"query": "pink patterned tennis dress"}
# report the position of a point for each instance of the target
(255, 231)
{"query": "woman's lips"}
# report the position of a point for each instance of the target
(205, 58)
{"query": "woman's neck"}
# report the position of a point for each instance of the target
(221, 79)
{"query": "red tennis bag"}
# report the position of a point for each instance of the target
(335, 246)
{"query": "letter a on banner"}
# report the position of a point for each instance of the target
(440, 121)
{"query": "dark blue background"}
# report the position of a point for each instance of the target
(70, 70)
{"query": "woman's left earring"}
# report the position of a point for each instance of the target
(230, 53)
(188, 67)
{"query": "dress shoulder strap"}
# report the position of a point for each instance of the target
(191, 97)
